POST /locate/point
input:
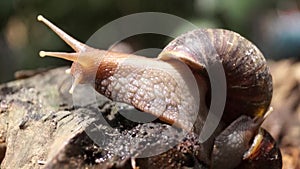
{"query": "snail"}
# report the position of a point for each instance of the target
(159, 86)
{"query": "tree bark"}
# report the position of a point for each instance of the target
(43, 126)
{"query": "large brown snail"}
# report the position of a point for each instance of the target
(159, 87)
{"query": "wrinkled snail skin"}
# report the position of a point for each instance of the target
(163, 88)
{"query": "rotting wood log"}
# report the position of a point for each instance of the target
(41, 128)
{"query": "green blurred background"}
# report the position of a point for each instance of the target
(273, 25)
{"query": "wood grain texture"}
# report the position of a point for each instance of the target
(39, 127)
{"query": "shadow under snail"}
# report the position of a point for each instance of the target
(158, 86)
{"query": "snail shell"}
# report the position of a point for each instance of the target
(249, 82)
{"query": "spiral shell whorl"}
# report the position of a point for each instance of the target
(249, 83)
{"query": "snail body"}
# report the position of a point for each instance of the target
(161, 87)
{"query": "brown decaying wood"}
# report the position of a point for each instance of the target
(37, 127)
